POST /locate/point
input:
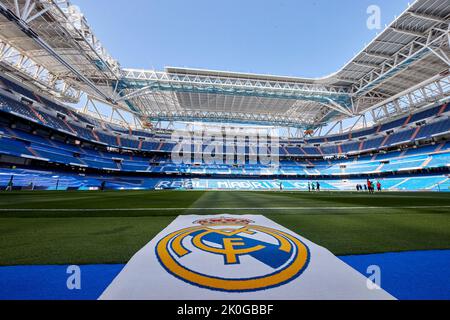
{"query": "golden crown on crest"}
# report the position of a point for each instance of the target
(221, 221)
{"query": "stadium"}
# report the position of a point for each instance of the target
(357, 162)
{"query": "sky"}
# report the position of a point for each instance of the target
(280, 37)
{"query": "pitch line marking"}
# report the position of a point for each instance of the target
(205, 209)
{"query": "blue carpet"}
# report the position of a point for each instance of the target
(406, 275)
(415, 275)
(49, 282)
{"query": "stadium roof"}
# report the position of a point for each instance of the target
(50, 44)
(52, 36)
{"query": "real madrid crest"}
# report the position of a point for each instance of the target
(232, 255)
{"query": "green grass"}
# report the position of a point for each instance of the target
(345, 223)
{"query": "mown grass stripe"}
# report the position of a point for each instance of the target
(219, 208)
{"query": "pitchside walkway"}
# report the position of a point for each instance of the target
(407, 276)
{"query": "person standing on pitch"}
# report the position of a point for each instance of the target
(10, 185)
(369, 185)
(309, 186)
(379, 186)
(318, 186)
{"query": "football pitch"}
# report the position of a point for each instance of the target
(44, 228)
